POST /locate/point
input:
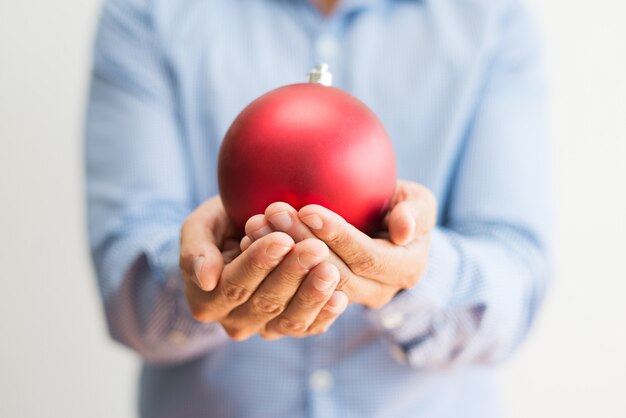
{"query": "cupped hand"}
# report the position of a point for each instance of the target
(372, 270)
(274, 281)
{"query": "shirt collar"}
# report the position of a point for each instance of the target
(352, 5)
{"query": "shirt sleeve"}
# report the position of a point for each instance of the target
(489, 263)
(139, 190)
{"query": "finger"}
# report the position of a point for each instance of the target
(413, 214)
(230, 250)
(370, 292)
(245, 243)
(402, 224)
(283, 217)
(200, 258)
(354, 247)
(335, 306)
(243, 275)
(257, 227)
(379, 260)
(273, 295)
(308, 301)
(198, 302)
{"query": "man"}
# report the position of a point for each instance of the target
(305, 315)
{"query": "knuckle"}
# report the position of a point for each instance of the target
(310, 298)
(292, 325)
(256, 265)
(235, 293)
(292, 276)
(236, 333)
(344, 278)
(335, 238)
(363, 263)
(199, 313)
(336, 233)
(267, 305)
(318, 329)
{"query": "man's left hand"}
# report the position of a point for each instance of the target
(372, 270)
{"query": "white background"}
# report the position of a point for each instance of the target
(55, 357)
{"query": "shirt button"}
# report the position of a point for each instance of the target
(321, 380)
(392, 320)
(326, 47)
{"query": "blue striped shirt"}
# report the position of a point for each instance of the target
(459, 86)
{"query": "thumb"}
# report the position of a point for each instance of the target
(206, 268)
(402, 224)
(413, 215)
(201, 260)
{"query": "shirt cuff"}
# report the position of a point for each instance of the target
(163, 254)
(159, 246)
(407, 319)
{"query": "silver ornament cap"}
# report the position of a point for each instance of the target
(321, 75)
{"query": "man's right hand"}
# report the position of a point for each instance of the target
(273, 279)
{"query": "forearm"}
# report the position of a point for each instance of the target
(139, 190)
(143, 297)
(481, 290)
(489, 263)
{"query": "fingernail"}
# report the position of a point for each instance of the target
(277, 251)
(308, 260)
(197, 265)
(321, 284)
(412, 226)
(281, 220)
(197, 269)
(313, 221)
(261, 232)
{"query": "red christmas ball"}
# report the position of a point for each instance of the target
(308, 143)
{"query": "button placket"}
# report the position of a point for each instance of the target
(326, 47)
(321, 381)
(392, 320)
